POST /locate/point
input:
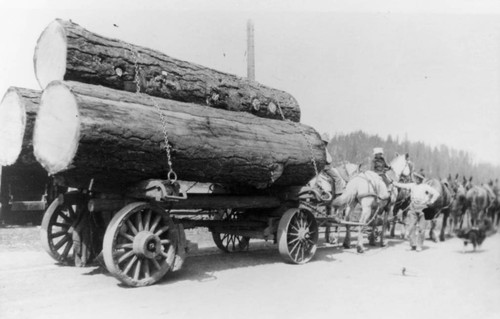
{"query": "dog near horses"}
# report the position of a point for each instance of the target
(475, 235)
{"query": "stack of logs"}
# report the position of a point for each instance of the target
(107, 106)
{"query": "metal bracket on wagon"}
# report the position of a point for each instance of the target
(308, 193)
(158, 190)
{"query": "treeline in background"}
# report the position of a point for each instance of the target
(437, 162)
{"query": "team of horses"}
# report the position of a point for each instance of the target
(383, 206)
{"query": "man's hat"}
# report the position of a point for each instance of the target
(324, 138)
(378, 150)
(329, 159)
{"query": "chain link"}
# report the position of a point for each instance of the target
(309, 145)
(171, 176)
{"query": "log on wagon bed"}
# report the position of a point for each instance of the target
(66, 51)
(86, 132)
(23, 181)
(18, 110)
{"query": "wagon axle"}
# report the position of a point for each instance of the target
(146, 244)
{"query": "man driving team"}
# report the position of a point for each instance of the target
(379, 165)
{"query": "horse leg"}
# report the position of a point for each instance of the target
(452, 222)
(327, 228)
(472, 217)
(366, 206)
(372, 236)
(384, 223)
(446, 213)
(393, 224)
(347, 238)
(465, 217)
(404, 219)
(392, 231)
(496, 217)
(432, 231)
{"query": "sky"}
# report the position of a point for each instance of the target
(425, 70)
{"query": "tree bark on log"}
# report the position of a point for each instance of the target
(66, 51)
(115, 137)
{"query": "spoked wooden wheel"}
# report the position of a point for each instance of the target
(297, 235)
(139, 244)
(229, 242)
(62, 225)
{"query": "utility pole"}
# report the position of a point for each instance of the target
(250, 52)
(2, 219)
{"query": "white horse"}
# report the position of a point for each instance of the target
(369, 190)
(327, 187)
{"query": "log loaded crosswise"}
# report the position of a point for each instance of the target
(84, 131)
(66, 51)
(18, 110)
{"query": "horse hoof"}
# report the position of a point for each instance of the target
(372, 243)
(383, 244)
(360, 249)
(346, 246)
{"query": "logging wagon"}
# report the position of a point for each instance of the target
(113, 122)
(142, 235)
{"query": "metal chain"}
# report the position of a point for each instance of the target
(309, 145)
(171, 176)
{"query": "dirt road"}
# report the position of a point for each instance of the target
(439, 282)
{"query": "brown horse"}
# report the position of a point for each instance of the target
(441, 206)
(493, 211)
(478, 202)
(459, 205)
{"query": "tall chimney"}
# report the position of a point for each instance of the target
(250, 52)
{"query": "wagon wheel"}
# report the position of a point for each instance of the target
(297, 235)
(66, 231)
(139, 244)
(228, 242)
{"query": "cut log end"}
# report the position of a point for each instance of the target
(12, 125)
(50, 54)
(57, 128)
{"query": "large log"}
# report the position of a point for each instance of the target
(22, 178)
(66, 51)
(18, 110)
(115, 137)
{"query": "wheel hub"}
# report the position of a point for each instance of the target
(303, 233)
(146, 244)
